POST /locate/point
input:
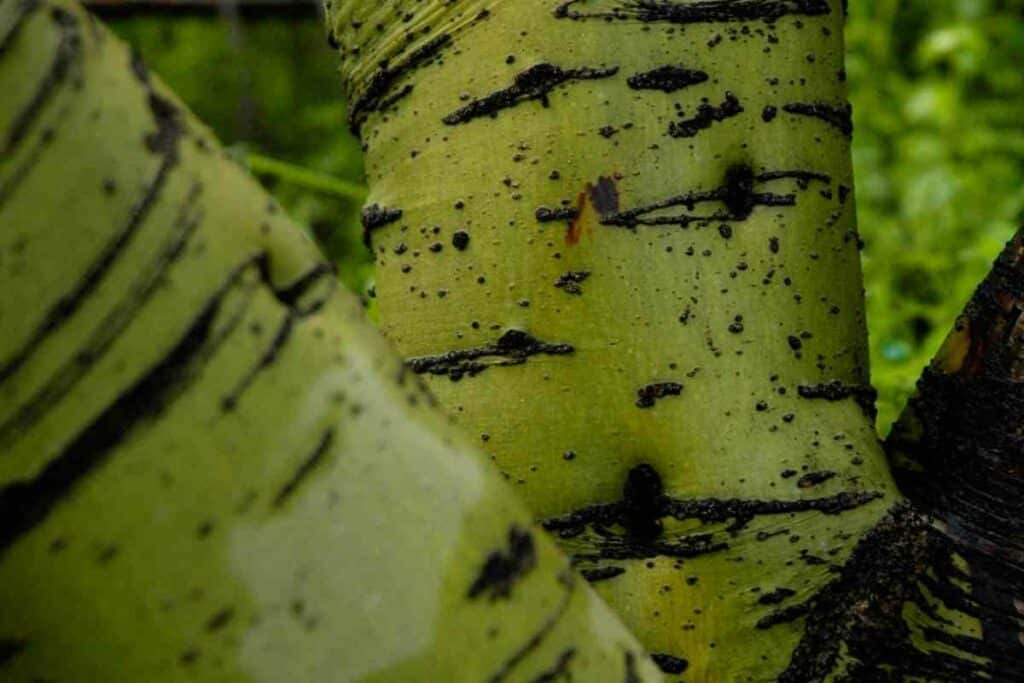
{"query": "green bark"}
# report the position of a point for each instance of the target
(618, 238)
(211, 467)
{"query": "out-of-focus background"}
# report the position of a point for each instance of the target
(938, 94)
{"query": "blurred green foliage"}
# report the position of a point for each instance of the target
(938, 94)
(269, 87)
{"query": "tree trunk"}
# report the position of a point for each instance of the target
(618, 237)
(211, 468)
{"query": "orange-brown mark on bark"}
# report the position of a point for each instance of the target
(604, 197)
(966, 350)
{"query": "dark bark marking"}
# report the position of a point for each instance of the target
(776, 596)
(707, 114)
(512, 348)
(168, 133)
(814, 478)
(667, 79)
(602, 573)
(534, 83)
(737, 193)
(670, 664)
(10, 648)
(641, 496)
(546, 215)
(292, 295)
(305, 469)
(69, 46)
(647, 395)
(281, 338)
(139, 293)
(559, 670)
(26, 504)
(864, 395)
(709, 510)
(863, 610)
(569, 281)
(26, 8)
(840, 117)
(702, 11)
(502, 569)
(219, 620)
(632, 676)
(508, 666)
(375, 96)
(604, 195)
(374, 217)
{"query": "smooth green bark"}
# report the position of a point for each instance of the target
(211, 467)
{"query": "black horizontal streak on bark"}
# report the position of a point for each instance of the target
(502, 569)
(306, 467)
(560, 669)
(150, 279)
(667, 79)
(508, 666)
(841, 117)
(69, 46)
(736, 192)
(707, 114)
(375, 95)
(631, 546)
(864, 395)
(165, 142)
(711, 510)
(702, 11)
(602, 573)
(26, 504)
(546, 215)
(512, 348)
(375, 216)
(533, 83)
(782, 616)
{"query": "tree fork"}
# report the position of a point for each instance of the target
(211, 467)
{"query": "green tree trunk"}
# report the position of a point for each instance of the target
(211, 467)
(618, 237)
